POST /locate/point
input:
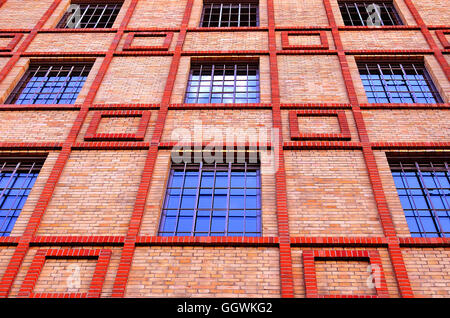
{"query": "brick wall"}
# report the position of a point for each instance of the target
(429, 271)
(15, 17)
(150, 14)
(318, 125)
(340, 180)
(95, 194)
(71, 42)
(146, 85)
(345, 276)
(383, 40)
(406, 125)
(433, 12)
(33, 126)
(204, 272)
(300, 12)
(309, 78)
(50, 271)
(225, 41)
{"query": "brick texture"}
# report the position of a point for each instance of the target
(429, 271)
(202, 272)
(95, 194)
(338, 178)
(307, 79)
(13, 17)
(146, 85)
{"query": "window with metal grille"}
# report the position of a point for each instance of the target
(212, 200)
(17, 177)
(398, 83)
(230, 14)
(369, 13)
(90, 15)
(223, 83)
(423, 185)
(50, 84)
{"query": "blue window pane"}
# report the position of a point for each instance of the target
(237, 202)
(220, 202)
(218, 224)
(235, 224)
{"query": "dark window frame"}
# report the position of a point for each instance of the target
(17, 178)
(39, 85)
(355, 13)
(229, 212)
(423, 187)
(398, 81)
(108, 10)
(211, 19)
(208, 88)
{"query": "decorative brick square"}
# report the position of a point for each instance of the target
(15, 38)
(321, 34)
(296, 134)
(92, 135)
(102, 256)
(131, 36)
(442, 36)
(372, 257)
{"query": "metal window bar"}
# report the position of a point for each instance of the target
(230, 15)
(357, 13)
(91, 16)
(427, 195)
(17, 177)
(400, 82)
(223, 83)
(50, 84)
(206, 218)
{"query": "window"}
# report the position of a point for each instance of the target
(17, 177)
(212, 200)
(89, 15)
(423, 185)
(369, 13)
(223, 83)
(223, 14)
(398, 83)
(50, 84)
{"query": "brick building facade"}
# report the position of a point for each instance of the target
(349, 122)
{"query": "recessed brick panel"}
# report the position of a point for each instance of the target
(350, 277)
(383, 40)
(229, 41)
(304, 13)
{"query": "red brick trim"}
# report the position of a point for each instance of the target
(92, 135)
(9, 241)
(207, 241)
(441, 34)
(309, 270)
(129, 40)
(411, 145)
(339, 241)
(95, 289)
(424, 242)
(14, 107)
(297, 135)
(78, 240)
(15, 39)
(111, 145)
(30, 146)
(323, 145)
(323, 40)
